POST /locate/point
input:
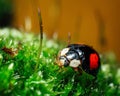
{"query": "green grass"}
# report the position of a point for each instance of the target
(22, 73)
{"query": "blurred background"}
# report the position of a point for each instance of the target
(93, 22)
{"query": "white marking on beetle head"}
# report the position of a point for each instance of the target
(70, 56)
(64, 51)
(75, 63)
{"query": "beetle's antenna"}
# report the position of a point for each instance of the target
(41, 32)
(69, 38)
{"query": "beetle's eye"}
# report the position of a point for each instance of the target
(64, 61)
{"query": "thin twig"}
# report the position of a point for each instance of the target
(41, 38)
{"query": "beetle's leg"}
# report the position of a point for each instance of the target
(78, 69)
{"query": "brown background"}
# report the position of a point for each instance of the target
(93, 22)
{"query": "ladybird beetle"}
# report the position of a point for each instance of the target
(80, 57)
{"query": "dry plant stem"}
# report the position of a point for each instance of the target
(41, 38)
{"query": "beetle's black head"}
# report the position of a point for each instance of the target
(68, 57)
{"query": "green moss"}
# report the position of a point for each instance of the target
(20, 76)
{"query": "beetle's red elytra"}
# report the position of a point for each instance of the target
(93, 61)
